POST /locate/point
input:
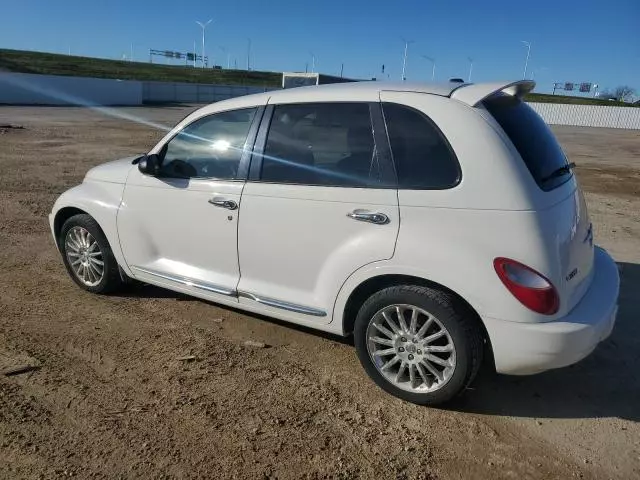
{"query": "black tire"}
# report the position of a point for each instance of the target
(461, 325)
(111, 280)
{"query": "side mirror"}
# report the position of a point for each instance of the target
(149, 165)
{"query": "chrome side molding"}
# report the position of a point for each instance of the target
(209, 287)
(292, 307)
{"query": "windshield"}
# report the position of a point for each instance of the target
(533, 139)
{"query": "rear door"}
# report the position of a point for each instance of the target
(564, 220)
(319, 204)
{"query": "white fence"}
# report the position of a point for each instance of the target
(589, 115)
(31, 89)
(165, 92)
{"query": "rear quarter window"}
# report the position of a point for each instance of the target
(534, 140)
(422, 156)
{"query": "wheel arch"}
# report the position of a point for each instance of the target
(62, 216)
(99, 200)
(369, 286)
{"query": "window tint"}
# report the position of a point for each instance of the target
(321, 144)
(532, 138)
(423, 158)
(210, 147)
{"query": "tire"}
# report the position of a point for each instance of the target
(458, 351)
(71, 237)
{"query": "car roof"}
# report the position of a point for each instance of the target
(443, 89)
(468, 93)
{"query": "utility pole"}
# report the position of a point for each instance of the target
(526, 62)
(341, 70)
(470, 68)
(404, 59)
(204, 27)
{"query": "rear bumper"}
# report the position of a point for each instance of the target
(525, 348)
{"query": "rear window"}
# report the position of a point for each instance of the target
(532, 138)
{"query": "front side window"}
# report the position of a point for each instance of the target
(329, 144)
(210, 147)
(422, 156)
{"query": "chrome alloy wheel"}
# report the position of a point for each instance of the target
(84, 256)
(411, 348)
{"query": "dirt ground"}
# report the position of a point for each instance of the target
(111, 400)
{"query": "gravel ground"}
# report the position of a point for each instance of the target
(110, 399)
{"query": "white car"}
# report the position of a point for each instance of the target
(440, 224)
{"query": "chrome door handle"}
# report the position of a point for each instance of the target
(224, 203)
(371, 217)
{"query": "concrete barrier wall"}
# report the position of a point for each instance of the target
(589, 115)
(30, 89)
(165, 92)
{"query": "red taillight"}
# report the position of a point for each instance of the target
(532, 289)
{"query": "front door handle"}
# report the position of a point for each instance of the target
(370, 217)
(223, 203)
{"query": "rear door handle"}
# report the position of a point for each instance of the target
(370, 217)
(223, 203)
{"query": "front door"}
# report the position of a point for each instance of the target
(179, 229)
(320, 203)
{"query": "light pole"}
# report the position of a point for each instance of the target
(470, 68)
(404, 59)
(526, 62)
(313, 62)
(248, 54)
(224, 50)
(433, 70)
(204, 27)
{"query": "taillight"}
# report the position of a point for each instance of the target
(531, 288)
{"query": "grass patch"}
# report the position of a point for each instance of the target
(55, 64)
(546, 98)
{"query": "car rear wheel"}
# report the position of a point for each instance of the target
(418, 343)
(87, 255)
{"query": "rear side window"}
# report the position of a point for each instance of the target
(423, 158)
(532, 138)
(327, 144)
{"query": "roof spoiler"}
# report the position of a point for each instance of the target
(475, 93)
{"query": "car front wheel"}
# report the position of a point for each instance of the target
(87, 255)
(418, 343)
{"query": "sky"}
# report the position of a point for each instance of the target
(586, 41)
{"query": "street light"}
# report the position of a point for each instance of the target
(224, 50)
(313, 62)
(248, 54)
(433, 70)
(404, 60)
(204, 27)
(470, 68)
(526, 62)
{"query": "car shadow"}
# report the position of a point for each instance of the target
(605, 384)
(144, 290)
